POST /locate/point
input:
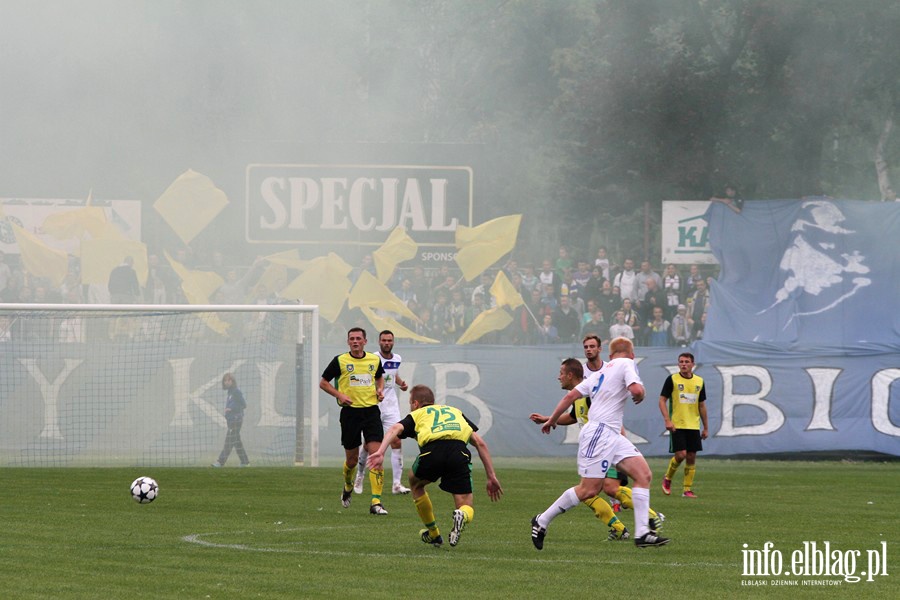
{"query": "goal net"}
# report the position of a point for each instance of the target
(88, 385)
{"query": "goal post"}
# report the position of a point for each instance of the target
(141, 384)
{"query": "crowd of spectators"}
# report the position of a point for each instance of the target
(564, 298)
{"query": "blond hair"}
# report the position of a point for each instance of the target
(621, 345)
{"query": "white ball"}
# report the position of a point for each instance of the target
(144, 490)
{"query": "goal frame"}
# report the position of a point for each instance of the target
(312, 335)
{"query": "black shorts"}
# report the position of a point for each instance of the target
(360, 424)
(448, 461)
(685, 439)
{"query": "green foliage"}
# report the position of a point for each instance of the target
(281, 533)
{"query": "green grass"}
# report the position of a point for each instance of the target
(281, 533)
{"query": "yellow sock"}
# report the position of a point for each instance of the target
(426, 514)
(673, 466)
(689, 471)
(624, 496)
(348, 477)
(652, 513)
(376, 479)
(601, 509)
(468, 511)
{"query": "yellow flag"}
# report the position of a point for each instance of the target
(399, 247)
(290, 259)
(274, 278)
(371, 293)
(480, 247)
(75, 223)
(190, 204)
(400, 331)
(198, 286)
(506, 295)
(38, 258)
(490, 320)
(100, 257)
(324, 282)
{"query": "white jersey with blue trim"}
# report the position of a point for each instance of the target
(608, 391)
(391, 366)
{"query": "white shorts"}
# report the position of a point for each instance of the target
(390, 414)
(599, 448)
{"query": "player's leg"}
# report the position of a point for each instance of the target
(638, 469)
(373, 433)
(694, 444)
(457, 480)
(360, 470)
(677, 448)
(592, 466)
(397, 468)
(351, 433)
(432, 533)
(622, 493)
(603, 511)
(376, 482)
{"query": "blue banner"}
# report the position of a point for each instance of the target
(806, 273)
(70, 407)
(759, 399)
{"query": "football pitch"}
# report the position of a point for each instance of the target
(282, 533)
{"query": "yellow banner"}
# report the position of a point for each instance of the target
(190, 204)
(398, 248)
(494, 319)
(480, 247)
(38, 258)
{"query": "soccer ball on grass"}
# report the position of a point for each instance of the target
(144, 490)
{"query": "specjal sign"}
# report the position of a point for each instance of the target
(356, 204)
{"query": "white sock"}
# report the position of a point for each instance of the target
(567, 501)
(397, 465)
(363, 455)
(641, 499)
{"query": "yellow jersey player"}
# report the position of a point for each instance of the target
(443, 434)
(682, 403)
(359, 387)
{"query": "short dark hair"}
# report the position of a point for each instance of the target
(573, 367)
(421, 394)
(688, 355)
(359, 329)
(386, 332)
(592, 336)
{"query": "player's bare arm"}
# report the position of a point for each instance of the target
(379, 388)
(566, 419)
(637, 392)
(664, 409)
(705, 433)
(343, 399)
(376, 459)
(493, 484)
(564, 405)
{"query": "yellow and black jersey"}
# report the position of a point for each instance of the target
(685, 396)
(579, 410)
(437, 422)
(355, 377)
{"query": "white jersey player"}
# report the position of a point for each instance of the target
(601, 444)
(390, 412)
